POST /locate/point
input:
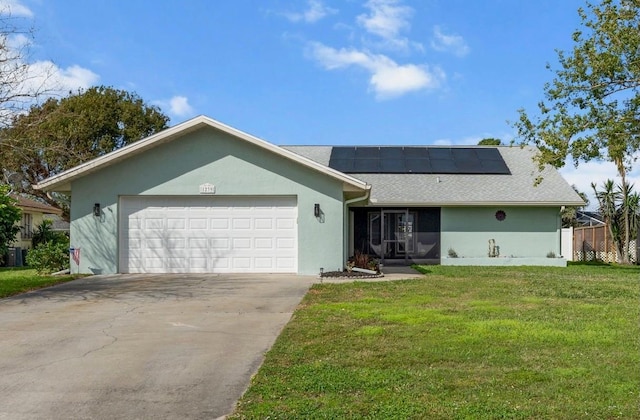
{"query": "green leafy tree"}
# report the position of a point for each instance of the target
(62, 133)
(490, 141)
(591, 109)
(10, 215)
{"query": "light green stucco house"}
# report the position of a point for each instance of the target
(204, 197)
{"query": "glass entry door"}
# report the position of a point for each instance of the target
(397, 234)
(391, 234)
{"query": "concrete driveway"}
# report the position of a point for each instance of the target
(139, 346)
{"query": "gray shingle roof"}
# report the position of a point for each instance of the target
(430, 189)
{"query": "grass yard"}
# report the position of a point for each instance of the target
(15, 280)
(465, 343)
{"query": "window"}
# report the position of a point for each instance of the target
(27, 226)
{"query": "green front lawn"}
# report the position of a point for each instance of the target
(15, 280)
(464, 342)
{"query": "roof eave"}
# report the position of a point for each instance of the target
(477, 203)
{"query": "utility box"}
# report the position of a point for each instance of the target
(13, 257)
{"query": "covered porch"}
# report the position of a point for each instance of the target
(396, 235)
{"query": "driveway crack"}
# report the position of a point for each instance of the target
(105, 332)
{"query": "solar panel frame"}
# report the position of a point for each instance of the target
(418, 160)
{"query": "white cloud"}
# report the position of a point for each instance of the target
(388, 78)
(179, 106)
(386, 18)
(50, 80)
(14, 8)
(316, 11)
(451, 43)
(73, 78)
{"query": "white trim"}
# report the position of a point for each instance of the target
(61, 181)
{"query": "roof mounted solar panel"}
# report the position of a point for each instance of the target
(495, 167)
(418, 166)
(393, 166)
(343, 153)
(367, 152)
(485, 153)
(417, 152)
(440, 153)
(444, 166)
(418, 160)
(470, 166)
(343, 165)
(392, 153)
(367, 166)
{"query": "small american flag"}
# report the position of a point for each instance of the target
(75, 254)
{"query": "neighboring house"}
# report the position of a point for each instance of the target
(204, 197)
(58, 224)
(33, 212)
(589, 218)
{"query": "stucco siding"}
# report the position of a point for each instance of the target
(525, 232)
(235, 167)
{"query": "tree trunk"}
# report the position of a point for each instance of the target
(624, 247)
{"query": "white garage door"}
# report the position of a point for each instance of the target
(208, 234)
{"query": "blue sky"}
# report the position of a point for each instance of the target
(397, 72)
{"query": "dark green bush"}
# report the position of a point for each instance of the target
(49, 257)
(44, 233)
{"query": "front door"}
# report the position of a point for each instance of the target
(397, 234)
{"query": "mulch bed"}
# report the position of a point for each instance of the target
(349, 275)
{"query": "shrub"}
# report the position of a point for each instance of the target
(43, 234)
(362, 260)
(49, 257)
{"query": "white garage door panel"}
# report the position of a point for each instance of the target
(206, 234)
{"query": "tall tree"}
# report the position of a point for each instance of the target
(591, 109)
(61, 133)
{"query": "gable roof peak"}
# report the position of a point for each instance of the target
(62, 181)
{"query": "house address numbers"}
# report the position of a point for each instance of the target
(207, 188)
